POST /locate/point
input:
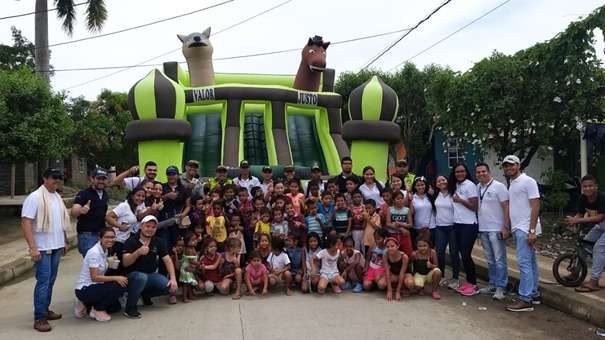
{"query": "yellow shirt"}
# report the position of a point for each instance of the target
(261, 227)
(217, 228)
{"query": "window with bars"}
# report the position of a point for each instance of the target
(455, 153)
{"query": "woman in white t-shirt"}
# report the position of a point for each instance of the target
(464, 194)
(371, 187)
(423, 210)
(123, 218)
(444, 231)
(396, 184)
(93, 288)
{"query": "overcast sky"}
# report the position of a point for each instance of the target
(516, 25)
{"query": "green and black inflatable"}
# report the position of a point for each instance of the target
(221, 118)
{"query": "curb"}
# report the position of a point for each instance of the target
(23, 265)
(554, 295)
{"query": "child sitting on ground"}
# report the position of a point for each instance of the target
(279, 265)
(279, 225)
(256, 274)
(375, 263)
(353, 265)
(395, 268)
(328, 274)
(296, 253)
(230, 269)
(425, 269)
(210, 267)
(264, 247)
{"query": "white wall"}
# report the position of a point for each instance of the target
(535, 169)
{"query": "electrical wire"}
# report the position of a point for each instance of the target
(30, 13)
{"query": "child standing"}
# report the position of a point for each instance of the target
(313, 248)
(296, 223)
(375, 263)
(326, 207)
(216, 224)
(279, 225)
(342, 216)
(176, 255)
(357, 219)
(198, 214)
(372, 219)
(236, 230)
(395, 268)
(256, 274)
(210, 267)
(351, 185)
(264, 225)
(316, 222)
(296, 197)
(188, 266)
(231, 203)
(425, 269)
(279, 265)
(329, 266)
(230, 269)
(353, 264)
(297, 255)
(399, 222)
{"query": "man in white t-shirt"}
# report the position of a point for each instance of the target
(245, 178)
(524, 207)
(129, 178)
(493, 226)
(44, 219)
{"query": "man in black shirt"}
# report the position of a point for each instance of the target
(90, 207)
(175, 196)
(141, 259)
(346, 163)
(591, 210)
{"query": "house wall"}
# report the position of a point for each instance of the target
(536, 167)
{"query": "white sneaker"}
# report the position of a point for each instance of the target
(499, 294)
(454, 284)
(443, 282)
(79, 309)
(99, 315)
(487, 290)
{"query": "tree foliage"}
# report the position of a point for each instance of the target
(20, 54)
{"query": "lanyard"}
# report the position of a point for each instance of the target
(481, 194)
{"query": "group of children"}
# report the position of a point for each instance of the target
(307, 242)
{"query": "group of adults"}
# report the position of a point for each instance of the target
(459, 211)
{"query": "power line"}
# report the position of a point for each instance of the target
(451, 34)
(241, 56)
(30, 13)
(138, 26)
(171, 51)
(405, 35)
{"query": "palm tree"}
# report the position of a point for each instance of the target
(96, 14)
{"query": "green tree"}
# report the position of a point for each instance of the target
(348, 81)
(96, 14)
(20, 54)
(34, 123)
(100, 129)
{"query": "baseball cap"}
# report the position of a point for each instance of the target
(315, 168)
(99, 172)
(172, 170)
(193, 163)
(289, 168)
(511, 159)
(221, 168)
(244, 164)
(53, 172)
(149, 218)
(402, 162)
(267, 168)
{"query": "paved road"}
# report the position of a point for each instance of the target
(348, 316)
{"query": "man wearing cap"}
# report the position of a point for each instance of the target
(174, 196)
(189, 178)
(346, 164)
(315, 178)
(44, 220)
(524, 207)
(90, 207)
(130, 179)
(402, 170)
(220, 179)
(245, 179)
(289, 173)
(266, 181)
(142, 253)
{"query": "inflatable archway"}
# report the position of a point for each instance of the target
(218, 118)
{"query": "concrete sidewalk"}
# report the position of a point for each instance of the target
(585, 306)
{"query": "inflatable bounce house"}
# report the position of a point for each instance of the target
(276, 120)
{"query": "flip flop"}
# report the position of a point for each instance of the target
(586, 289)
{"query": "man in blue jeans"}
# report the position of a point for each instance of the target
(591, 211)
(524, 207)
(44, 219)
(141, 254)
(493, 225)
(90, 207)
